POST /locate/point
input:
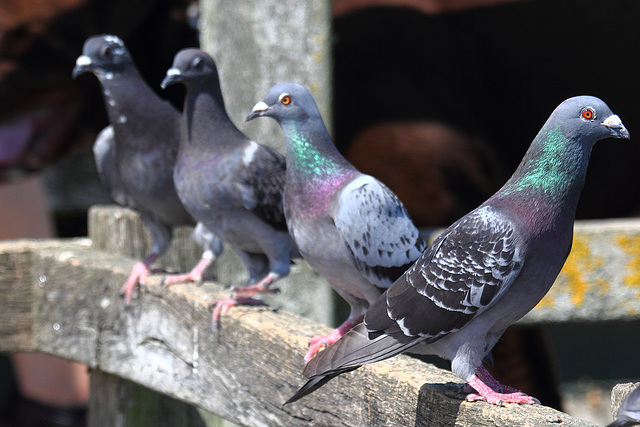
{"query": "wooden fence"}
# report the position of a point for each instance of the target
(61, 297)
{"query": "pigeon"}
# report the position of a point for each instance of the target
(135, 155)
(488, 269)
(350, 227)
(231, 184)
(629, 412)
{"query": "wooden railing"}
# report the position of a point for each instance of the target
(61, 297)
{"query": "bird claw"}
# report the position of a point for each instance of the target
(482, 391)
(318, 344)
(194, 276)
(222, 306)
(251, 290)
(138, 275)
(500, 399)
(177, 279)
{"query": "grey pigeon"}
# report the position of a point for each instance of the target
(348, 226)
(629, 412)
(488, 269)
(228, 182)
(136, 154)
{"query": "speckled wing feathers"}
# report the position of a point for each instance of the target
(463, 272)
(377, 230)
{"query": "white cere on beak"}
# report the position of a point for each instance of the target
(83, 61)
(173, 72)
(613, 122)
(260, 106)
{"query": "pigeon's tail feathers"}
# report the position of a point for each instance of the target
(350, 352)
(313, 384)
(353, 350)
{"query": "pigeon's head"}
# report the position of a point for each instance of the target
(286, 101)
(189, 66)
(103, 55)
(588, 119)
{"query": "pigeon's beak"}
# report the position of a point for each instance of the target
(616, 128)
(258, 110)
(174, 75)
(83, 64)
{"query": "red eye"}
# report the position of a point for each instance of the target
(587, 113)
(285, 100)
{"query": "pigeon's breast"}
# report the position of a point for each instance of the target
(314, 197)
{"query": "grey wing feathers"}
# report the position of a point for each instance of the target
(460, 275)
(261, 183)
(104, 152)
(377, 230)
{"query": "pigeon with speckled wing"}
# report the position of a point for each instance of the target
(629, 412)
(136, 154)
(348, 226)
(228, 182)
(488, 269)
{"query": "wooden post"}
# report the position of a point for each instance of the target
(120, 403)
(257, 44)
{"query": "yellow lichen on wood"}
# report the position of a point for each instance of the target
(631, 246)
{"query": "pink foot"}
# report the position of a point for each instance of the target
(262, 287)
(194, 275)
(488, 395)
(222, 306)
(495, 385)
(317, 344)
(138, 275)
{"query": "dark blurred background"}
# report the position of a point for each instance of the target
(438, 99)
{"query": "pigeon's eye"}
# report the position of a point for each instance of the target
(197, 63)
(588, 113)
(107, 51)
(285, 99)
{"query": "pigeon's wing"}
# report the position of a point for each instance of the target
(465, 271)
(377, 230)
(259, 183)
(104, 152)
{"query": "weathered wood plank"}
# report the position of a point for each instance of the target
(601, 278)
(619, 393)
(243, 372)
(120, 231)
(17, 322)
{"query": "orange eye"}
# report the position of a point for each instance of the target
(587, 113)
(285, 100)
